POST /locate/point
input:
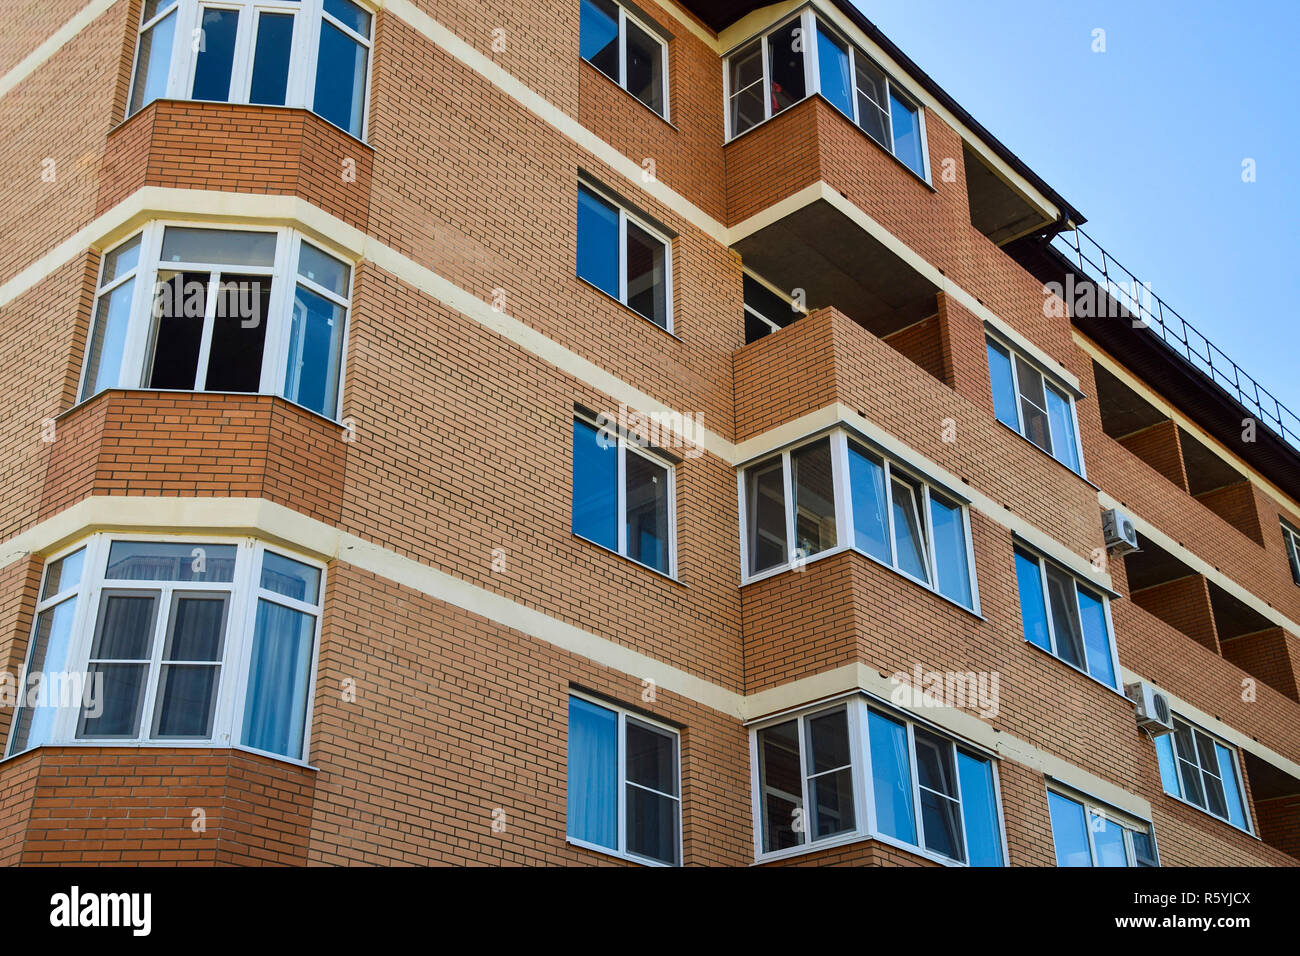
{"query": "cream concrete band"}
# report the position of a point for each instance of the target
(1104, 359)
(277, 524)
(51, 45)
(1201, 566)
(1216, 726)
(627, 167)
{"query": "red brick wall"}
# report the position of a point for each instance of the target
(1183, 604)
(1160, 448)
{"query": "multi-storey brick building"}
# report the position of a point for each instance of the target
(454, 432)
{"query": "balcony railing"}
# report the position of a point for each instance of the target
(1177, 333)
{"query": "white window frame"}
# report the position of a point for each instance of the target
(244, 592)
(284, 278)
(624, 217)
(303, 58)
(1215, 740)
(1042, 561)
(630, 447)
(624, 715)
(796, 312)
(1049, 381)
(844, 529)
(1291, 541)
(1111, 817)
(654, 34)
(812, 84)
(857, 707)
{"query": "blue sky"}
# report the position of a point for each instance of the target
(1147, 141)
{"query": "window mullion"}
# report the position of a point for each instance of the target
(927, 526)
(1047, 605)
(622, 47)
(843, 490)
(961, 804)
(787, 484)
(209, 320)
(1015, 386)
(812, 79)
(621, 495)
(889, 512)
(863, 776)
(767, 80)
(621, 776)
(154, 673)
(916, 785)
(804, 758)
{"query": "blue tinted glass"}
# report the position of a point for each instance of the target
(950, 551)
(340, 79)
(1168, 765)
(593, 774)
(271, 59)
(350, 15)
(598, 36)
(891, 778)
(290, 578)
(1063, 445)
(1004, 387)
(647, 512)
(275, 711)
(153, 63)
(908, 534)
(870, 522)
(907, 135)
(1108, 838)
(1069, 832)
(108, 340)
(837, 85)
(597, 242)
(595, 485)
(1096, 639)
(315, 352)
(1227, 770)
(1033, 612)
(979, 806)
(216, 55)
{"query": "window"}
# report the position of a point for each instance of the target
(159, 640)
(625, 51)
(623, 497)
(623, 792)
(1065, 618)
(922, 789)
(1202, 770)
(307, 53)
(1291, 540)
(203, 309)
(1029, 402)
(782, 67)
(1091, 835)
(792, 511)
(765, 311)
(624, 258)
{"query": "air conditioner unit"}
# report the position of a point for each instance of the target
(1121, 535)
(1153, 714)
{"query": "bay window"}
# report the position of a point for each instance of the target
(307, 53)
(220, 310)
(804, 55)
(624, 257)
(1202, 770)
(1087, 834)
(855, 770)
(623, 783)
(832, 493)
(617, 44)
(159, 640)
(623, 497)
(1065, 617)
(1031, 403)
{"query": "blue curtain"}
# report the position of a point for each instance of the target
(275, 710)
(593, 773)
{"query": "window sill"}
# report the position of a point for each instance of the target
(849, 840)
(615, 854)
(1082, 477)
(841, 549)
(861, 132)
(631, 311)
(1227, 823)
(614, 83)
(164, 744)
(633, 561)
(1079, 670)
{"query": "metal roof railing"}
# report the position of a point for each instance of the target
(1177, 333)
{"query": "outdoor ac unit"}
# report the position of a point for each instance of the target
(1152, 708)
(1121, 536)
